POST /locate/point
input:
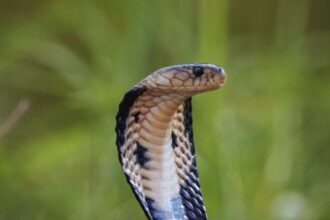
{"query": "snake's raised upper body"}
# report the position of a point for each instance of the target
(155, 140)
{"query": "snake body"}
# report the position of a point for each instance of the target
(155, 140)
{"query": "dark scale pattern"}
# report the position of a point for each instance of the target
(177, 210)
(190, 189)
(156, 214)
(187, 121)
(137, 116)
(140, 154)
(123, 112)
(121, 118)
(174, 140)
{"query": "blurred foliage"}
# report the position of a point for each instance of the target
(262, 141)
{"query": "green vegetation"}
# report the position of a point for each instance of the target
(262, 141)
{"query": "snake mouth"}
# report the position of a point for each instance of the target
(223, 78)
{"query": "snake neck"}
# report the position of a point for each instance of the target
(159, 179)
(155, 140)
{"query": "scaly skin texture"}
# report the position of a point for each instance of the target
(155, 140)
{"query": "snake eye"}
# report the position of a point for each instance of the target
(198, 71)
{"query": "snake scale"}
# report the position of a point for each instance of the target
(155, 140)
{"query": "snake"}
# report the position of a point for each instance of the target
(155, 140)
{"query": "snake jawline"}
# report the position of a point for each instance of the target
(188, 203)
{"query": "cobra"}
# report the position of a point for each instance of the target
(155, 140)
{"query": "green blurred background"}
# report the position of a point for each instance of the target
(262, 140)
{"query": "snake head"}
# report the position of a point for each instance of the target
(187, 79)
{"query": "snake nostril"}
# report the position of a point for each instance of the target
(223, 78)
